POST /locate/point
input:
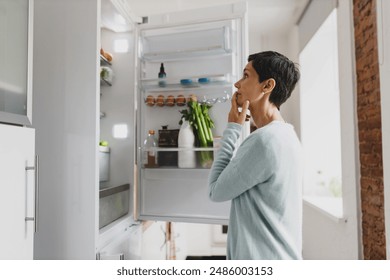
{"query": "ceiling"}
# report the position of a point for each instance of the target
(264, 16)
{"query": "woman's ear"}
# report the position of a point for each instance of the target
(269, 85)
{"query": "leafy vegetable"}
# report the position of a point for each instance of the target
(198, 117)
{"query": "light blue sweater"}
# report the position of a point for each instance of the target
(264, 182)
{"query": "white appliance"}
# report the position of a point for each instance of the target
(18, 168)
(18, 188)
(207, 43)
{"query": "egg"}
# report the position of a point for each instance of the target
(160, 100)
(170, 100)
(180, 100)
(150, 100)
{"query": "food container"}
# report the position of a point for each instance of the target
(167, 138)
(185, 82)
(203, 80)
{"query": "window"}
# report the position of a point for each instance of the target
(320, 118)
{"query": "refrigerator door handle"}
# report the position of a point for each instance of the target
(36, 175)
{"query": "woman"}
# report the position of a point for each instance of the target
(264, 178)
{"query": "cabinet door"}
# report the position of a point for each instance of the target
(16, 61)
(17, 192)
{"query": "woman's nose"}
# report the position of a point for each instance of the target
(237, 84)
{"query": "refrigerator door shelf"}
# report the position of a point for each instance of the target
(104, 61)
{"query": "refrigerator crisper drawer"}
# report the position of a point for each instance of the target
(179, 42)
(113, 203)
(162, 199)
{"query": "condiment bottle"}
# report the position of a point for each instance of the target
(162, 75)
(149, 154)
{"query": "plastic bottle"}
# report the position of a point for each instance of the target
(150, 154)
(162, 75)
(186, 139)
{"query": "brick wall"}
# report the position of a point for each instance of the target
(369, 125)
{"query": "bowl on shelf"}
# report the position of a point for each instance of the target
(203, 80)
(185, 82)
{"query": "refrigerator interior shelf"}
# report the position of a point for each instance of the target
(187, 54)
(201, 79)
(194, 149)
(181, 100)
(179, 87)
(174, 173)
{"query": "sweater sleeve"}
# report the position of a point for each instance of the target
(252, 164)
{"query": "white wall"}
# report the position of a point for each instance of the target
(325, 237)
(285, 43)
(383, 13)
(321, 234)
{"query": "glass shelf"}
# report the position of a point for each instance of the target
(180, 158)
(186, 83)
(194, 149)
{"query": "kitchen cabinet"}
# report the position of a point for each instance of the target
(16, 34)
(18, 192)
(19, 169)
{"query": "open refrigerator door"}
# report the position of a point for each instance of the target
(184, 56)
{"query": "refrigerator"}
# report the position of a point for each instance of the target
(194, 44)
(203, 53)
